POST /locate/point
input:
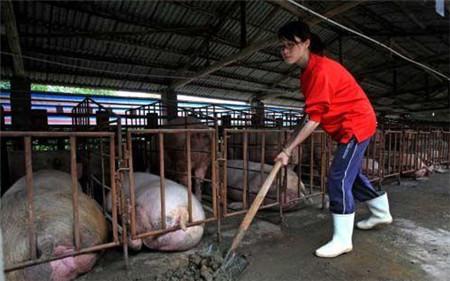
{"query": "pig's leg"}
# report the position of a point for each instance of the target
(143, 224)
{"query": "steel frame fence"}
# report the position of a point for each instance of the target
(161, 133)
(254, 145)
(27, 138)
(397, 153)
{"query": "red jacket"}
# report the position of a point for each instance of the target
(335, 100)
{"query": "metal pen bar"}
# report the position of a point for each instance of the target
(230, 214)
(114, 201)
(132, 187)
(162, 179)
(74, 253)
(245, 165)
(30, 199)
(214, 172)
(102, 162)
(225, 172)
(170, 229)
(99, 182)
(189, 173)
(38, 134)
(263, 147)
(168, 131)
(75, 206)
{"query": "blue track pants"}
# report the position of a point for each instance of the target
(345, 179)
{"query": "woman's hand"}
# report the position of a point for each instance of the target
(283, 157)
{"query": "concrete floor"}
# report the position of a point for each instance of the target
(415, 247)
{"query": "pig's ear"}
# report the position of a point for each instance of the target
(79, 170)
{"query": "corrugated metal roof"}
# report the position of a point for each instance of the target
(135, 40)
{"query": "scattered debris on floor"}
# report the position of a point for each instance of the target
(201, 266)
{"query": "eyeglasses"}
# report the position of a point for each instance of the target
(288, 45)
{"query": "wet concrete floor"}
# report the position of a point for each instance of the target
(415, 247)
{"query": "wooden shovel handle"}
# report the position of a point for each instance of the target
(255, 206)
(261, 195)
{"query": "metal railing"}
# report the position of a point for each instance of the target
(392, 153)
(31, 213)
(159, 136)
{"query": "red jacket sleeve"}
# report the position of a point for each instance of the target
(318, 92)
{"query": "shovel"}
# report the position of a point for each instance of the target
(232, 260)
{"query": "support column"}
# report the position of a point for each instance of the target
(170, 103)
(4, 169)
(20, 104)
(258, 113)
(152, 121)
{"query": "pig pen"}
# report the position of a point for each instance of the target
(162, 235)
(413, 153)
(248, 155)
(153, 116)
(39, 252)
(412, 248)
(199, 262)
(312, 162)
(160, 136)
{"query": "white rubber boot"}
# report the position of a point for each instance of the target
(379, 209)
(341, 242)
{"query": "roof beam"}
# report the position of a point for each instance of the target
(144, 23)
(392, 41)
(275, 10)
(158, 80)
(388, 26)
(131, 63)
(330, 13)
(363, 71)
(92, 75)
(91, 9)
(283, 79)
(225, 62)
(135, 43)
(398, 34)
(191, 31)
(216, 14)
(253, 48)
(408, 91)
(434, 108)
(13, 37)
(161, 91)
(356, 26)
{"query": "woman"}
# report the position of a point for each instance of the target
(334, 100)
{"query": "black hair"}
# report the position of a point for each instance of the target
(301, 30)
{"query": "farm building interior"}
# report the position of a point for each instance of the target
(150, 174)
